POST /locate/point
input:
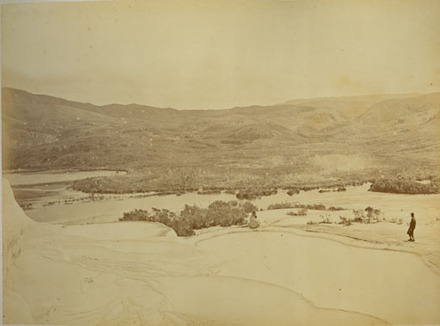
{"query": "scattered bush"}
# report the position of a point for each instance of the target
(280, 206)
(324, 190)
(345, 221)
(339, 189)
(300, 212)
(325, 219)
(292, 191)
(209, 191)
(317, 207)
(334, 209)
(373, 213)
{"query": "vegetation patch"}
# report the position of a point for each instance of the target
(300, 212)
(318, 207)
(218, 213)
(250, 194)
(401, 185)
(247, 183)
(293, 191)
(333, 208)
(339, 189)
(367, 215)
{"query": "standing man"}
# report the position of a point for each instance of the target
(412, 226)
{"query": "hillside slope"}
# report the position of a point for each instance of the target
(393, 132)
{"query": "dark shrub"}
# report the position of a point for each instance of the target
(400, 185)
(197, 217)
(249, 207)
(250, 194)
(136, 215)
(280, 206)
(163, 216)
(300, 212)
(182, 227)
(345, 221)
(318, 207)
(333, 208)
(225, 214)
(293, 191)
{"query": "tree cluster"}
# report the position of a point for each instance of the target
(218, 213)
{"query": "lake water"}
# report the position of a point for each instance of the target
(57, 204)
(38, 189)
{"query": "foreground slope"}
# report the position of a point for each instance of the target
(141, 273)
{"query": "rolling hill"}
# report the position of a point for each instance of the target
(288, 141)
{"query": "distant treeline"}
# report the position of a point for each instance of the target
(173, 183)
(400, 185)
(250, 194)
(317, 207)
(218, 213)
(123, 184)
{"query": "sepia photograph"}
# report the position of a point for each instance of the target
(220, 162)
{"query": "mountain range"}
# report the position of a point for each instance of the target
(333, 136)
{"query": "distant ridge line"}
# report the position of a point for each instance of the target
(297, 101)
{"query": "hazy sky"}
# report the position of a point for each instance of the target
(220, 54)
